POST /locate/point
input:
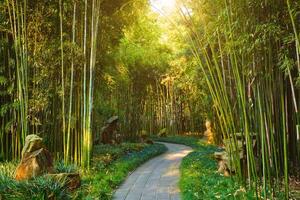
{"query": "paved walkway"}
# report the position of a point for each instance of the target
(157, 179)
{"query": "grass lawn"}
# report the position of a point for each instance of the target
(111, 165)
(199, 176)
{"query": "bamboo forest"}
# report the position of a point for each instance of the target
(149, 99)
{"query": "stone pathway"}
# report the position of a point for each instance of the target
(157, 179)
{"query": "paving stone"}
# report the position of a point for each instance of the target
(157, 179)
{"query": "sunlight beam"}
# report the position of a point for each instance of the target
(165, 6)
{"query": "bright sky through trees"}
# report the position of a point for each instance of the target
(165, 6)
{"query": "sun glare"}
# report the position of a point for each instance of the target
(163, 5)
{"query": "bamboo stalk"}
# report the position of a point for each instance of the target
(71, 86)
(62, 80)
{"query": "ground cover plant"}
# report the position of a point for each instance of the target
(103, 179)
(37, 188)
(199, 177)
(110, 167)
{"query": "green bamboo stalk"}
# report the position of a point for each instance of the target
(284, 135)
(210, 66)
(295, 34)
(62, 80)
(87, 146)
(84, 84)
(17, 19)
(71, 86)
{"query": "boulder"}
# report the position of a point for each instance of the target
(143, 135)
(221, 155)
(162, 133)
(144, 138)
(224, 166)
(32, 143)
(71, 181)
(149, 141)
(36, 160)
(119, 138)
(112, 120)
(108, 133)
(234, 150)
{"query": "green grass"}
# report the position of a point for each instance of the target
(193, 142)
(111, 165)
(199, 178)
(35, 189)
(101, 181)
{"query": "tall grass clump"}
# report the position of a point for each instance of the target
(37, 188)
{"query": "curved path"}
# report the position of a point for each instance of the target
(157, 179)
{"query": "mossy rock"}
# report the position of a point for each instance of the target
(32, 143)
(162, 132)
